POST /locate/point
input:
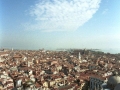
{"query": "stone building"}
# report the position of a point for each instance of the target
(95, 83)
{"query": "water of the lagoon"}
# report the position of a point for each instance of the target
(112, 51)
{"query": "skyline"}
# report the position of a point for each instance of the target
(51, 24)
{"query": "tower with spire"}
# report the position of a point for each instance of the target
(79, 56)
(12, 49)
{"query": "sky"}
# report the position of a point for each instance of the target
(52, 24)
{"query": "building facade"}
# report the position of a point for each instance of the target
(95, 83)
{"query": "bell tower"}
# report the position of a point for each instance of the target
(79, 56)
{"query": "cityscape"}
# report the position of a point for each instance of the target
(59, 45)
(74, 69)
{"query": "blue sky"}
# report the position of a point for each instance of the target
(51, 24)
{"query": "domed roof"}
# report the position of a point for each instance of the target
(114, 80)
(117, 87)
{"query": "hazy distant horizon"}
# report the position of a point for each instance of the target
(51, 24)
(105, 50)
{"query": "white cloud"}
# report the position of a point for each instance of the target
(61, 15)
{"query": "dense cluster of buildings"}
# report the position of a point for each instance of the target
(59, 70)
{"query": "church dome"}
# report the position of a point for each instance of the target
(114, 80)
(117, 87)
